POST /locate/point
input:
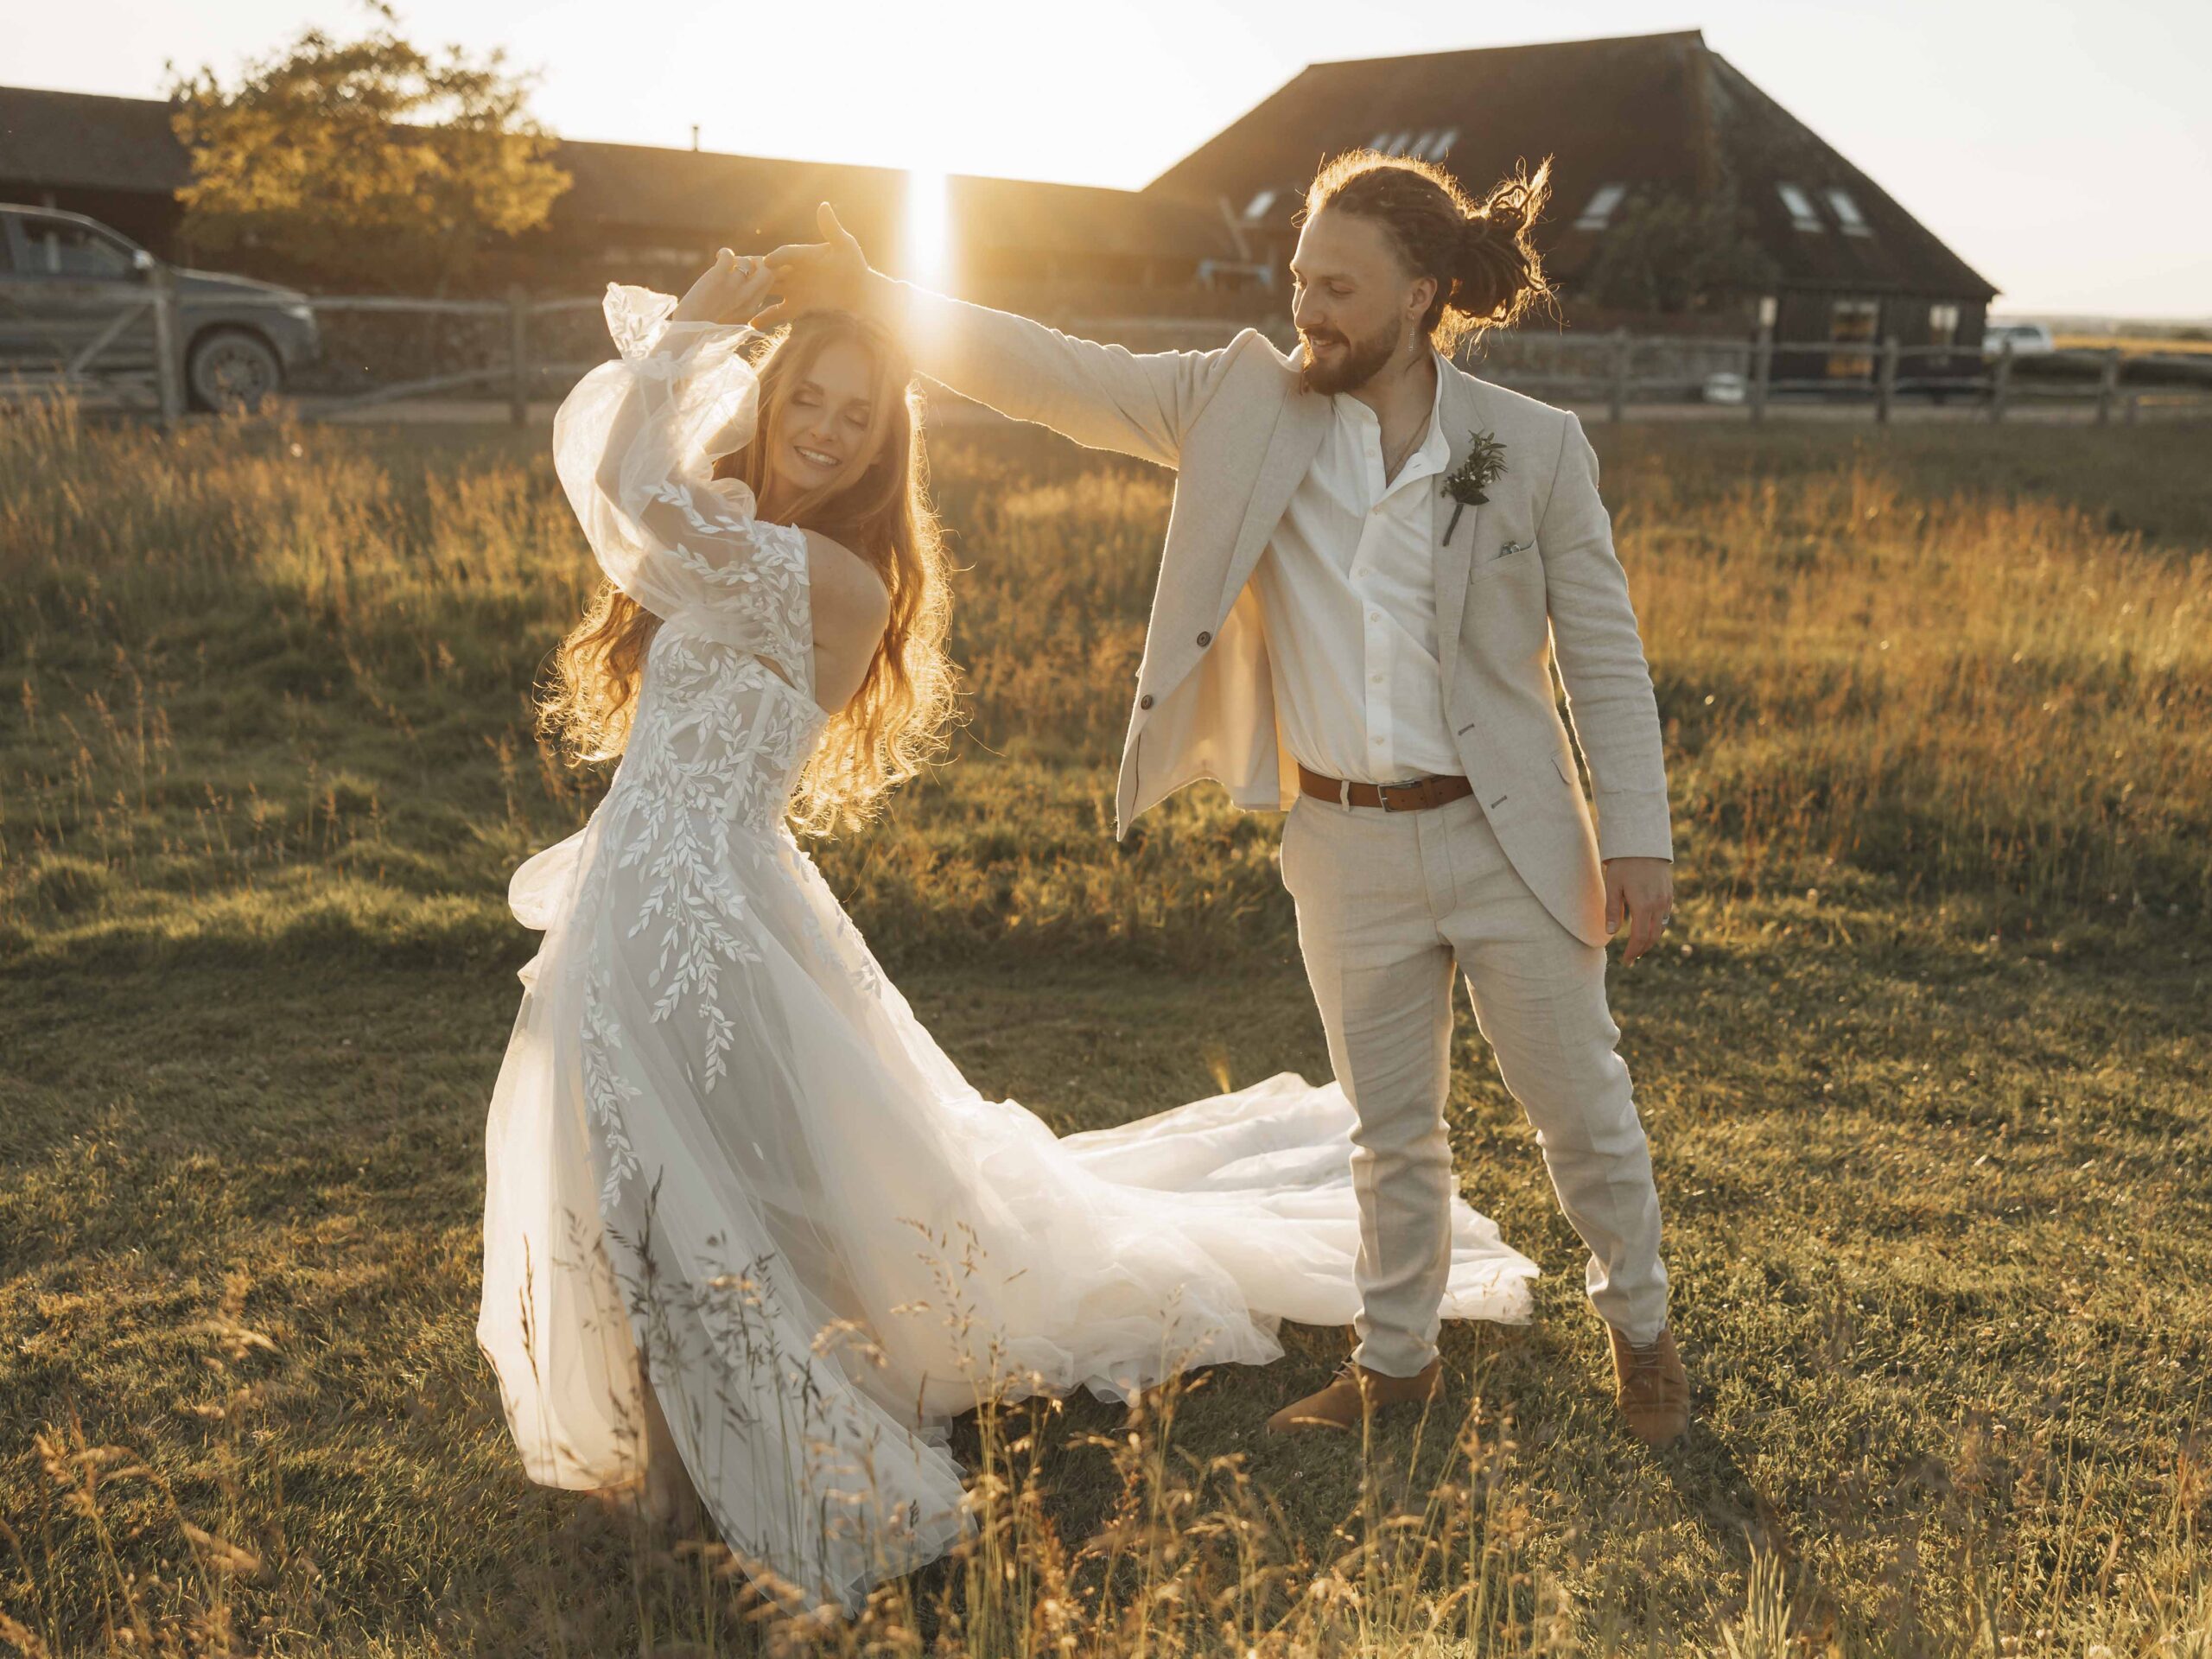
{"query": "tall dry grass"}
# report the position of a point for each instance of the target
(267, 703)
(260, 670)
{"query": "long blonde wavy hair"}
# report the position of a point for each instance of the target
(878, 506)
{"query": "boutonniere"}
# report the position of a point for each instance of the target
(1484, 465)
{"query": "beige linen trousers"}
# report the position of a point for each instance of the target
(1506, 882)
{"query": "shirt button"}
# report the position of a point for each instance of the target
(1375, 616)
(1377, 741)
(1375, 679)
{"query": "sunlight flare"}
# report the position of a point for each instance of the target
(928, 232)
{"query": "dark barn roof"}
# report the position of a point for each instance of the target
(1767, 146)
(1661, 111)
(756, 198)
(87, 141)
(80, 141)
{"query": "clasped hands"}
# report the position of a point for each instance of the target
(829, 275)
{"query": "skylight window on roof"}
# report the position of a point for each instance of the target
(1800, 208)
(1259, 205)
(1846, 211)
(1600, 209)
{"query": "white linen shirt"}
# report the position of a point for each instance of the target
(1347, 590)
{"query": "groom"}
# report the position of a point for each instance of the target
(1371, 559)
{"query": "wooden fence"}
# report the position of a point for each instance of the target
(1615, 377)
(1619, 370)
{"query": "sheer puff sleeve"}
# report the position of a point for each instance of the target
(634, 445)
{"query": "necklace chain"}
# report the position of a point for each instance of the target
(1405, 449)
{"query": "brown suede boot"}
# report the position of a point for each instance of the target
(1651, 1387)
(1353, 1391)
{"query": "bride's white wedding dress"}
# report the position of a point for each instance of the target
(720, 1137)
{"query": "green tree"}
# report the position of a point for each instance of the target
(368, 162)
(1668, 252)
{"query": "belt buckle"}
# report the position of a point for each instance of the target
(1383, 793)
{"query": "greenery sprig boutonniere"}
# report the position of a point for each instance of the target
(1484, 465)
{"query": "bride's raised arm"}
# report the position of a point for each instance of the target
(634, 444)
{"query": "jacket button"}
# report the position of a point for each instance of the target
(1204, 640)
(1145, 702)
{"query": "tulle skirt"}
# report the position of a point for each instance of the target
(720, 1141)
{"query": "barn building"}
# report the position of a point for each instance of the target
(1631, 122)
(1636, 124)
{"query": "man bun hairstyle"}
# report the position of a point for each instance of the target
(1488, 272)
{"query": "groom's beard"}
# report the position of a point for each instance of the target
(1348, 369)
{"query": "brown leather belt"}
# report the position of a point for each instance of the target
(1391, 798)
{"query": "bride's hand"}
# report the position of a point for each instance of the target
(730, 290)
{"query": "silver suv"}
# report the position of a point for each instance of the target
(75, 301)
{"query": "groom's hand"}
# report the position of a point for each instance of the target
(1643, 889)
(831, 275)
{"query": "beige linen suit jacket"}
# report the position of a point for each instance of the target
(1528, 576)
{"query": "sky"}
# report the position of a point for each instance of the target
(2063, 148)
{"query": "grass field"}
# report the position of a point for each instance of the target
(1924, 1066)
(2133, 345)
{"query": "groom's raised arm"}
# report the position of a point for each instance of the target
(1103, 397)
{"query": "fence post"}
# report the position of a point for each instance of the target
(1622, 345)
(1885, 389)
(1762, 369)
(2108, 385)
(168, 381)
(518, 355)
(2002, 382)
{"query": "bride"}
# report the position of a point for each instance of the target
(748, 1233)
